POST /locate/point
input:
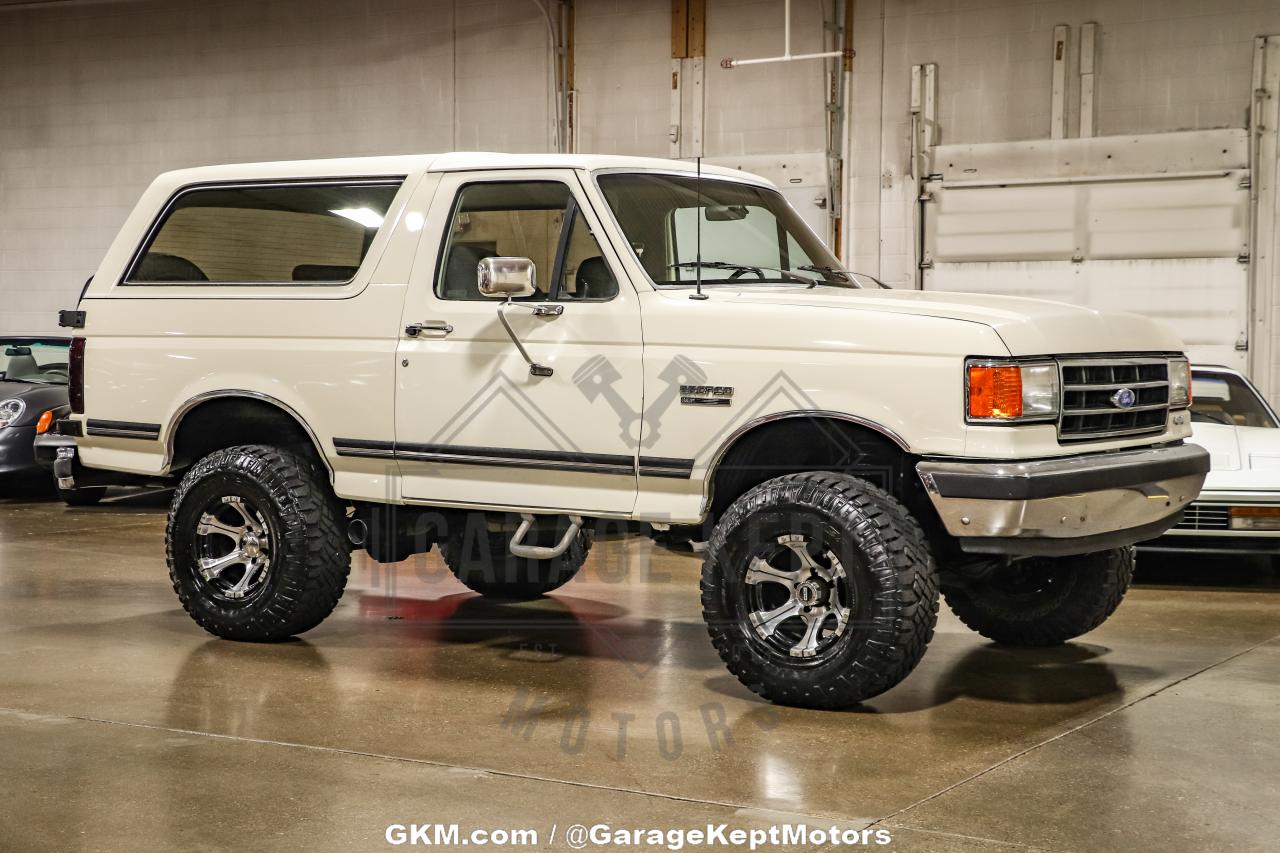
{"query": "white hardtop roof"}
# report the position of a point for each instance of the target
(404, 164)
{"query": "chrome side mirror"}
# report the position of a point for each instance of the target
(507, 278)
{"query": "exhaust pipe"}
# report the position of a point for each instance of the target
(357, 532)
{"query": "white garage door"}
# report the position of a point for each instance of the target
(1153, 225)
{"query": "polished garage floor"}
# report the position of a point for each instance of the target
(124, 727)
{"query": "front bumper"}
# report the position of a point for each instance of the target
(1068, 505)
(16, 454)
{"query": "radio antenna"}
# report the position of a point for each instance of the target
(697, 222)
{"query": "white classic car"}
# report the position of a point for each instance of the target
(1238, 510)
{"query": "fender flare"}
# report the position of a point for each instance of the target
(742, 431)
(175, 421)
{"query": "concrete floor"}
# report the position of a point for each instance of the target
(125, 727)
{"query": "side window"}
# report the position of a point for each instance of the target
(265, 234)
(538, 220)
(584, 273)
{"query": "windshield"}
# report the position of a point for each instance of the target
(748, 234)
(37, 362)
(1225, 398)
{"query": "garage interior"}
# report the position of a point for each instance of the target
(1117, 154)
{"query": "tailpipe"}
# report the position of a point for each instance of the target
(357, 532)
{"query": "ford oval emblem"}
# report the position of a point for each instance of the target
(1124, 398)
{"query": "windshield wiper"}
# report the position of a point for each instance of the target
(741, 268)
(849, 276)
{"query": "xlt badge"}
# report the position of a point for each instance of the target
(706, 395)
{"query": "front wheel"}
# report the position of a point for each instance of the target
(1042, 601)
(818, 590)
(253, 542)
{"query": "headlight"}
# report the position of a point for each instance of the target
(10, 411)
(1011, 392)
(1179, 383)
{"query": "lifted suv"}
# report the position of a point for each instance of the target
(498, 353)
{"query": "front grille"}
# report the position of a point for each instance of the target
(1088, 386)
(1198, 516)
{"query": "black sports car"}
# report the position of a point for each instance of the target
(33, 392)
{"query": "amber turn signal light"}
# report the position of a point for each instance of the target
(46, 421)
(995, 391)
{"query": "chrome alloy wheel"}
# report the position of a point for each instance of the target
(233, 549)
(797, 596)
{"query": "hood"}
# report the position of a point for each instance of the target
(1221, 442)
(1027, 326)
(1241, 458)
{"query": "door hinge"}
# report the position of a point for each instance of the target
(71, 319)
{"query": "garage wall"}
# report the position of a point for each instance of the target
(95, 100)
(97, 97)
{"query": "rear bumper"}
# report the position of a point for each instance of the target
(1068, 505)
(57, 453)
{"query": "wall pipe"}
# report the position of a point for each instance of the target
(787, 56)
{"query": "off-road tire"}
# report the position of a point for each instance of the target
(483, 562)
(1050, 601)
(82, 496)
(311, 558)
(888, 564)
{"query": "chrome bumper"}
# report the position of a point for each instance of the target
(1068, 505)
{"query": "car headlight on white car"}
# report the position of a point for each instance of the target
(999, 391)
(11, 410)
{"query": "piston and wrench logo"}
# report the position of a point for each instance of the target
(598, 380)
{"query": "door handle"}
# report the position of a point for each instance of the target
(438, 327)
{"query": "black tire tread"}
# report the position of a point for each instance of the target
(898, 552)
(1102, 579)
(319, 568)
(523, 579)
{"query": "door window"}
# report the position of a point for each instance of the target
(538, 220)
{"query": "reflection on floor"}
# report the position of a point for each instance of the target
(124, 727)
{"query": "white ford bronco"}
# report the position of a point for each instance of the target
(500, 354)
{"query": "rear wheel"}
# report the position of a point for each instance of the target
(1042, 601)
(482, 560)
(253, 542)
(818, 590)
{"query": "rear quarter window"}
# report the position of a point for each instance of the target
(297, 233)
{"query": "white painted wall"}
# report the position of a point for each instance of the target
(96, 98)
